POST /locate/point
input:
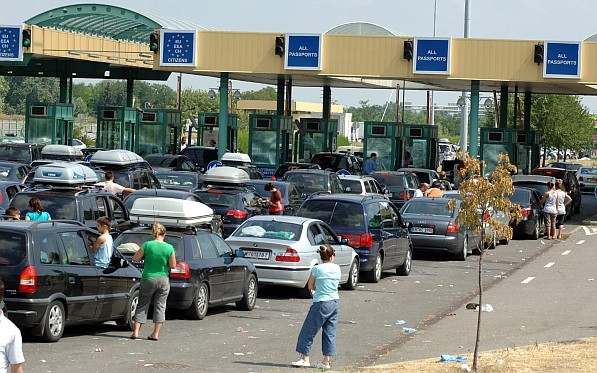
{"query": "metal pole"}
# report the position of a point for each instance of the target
(464, 112)
(432, 102)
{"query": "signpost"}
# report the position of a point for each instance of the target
(562, 60)
(178, 47)
(10, 43)
(303, 52)
(432, 56)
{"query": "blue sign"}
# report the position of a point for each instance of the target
(213, 164)
(431, 56)
(10, 43)
(178, 47)
(562, 60)
(342, 172)
(303, 52)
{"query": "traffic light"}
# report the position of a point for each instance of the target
(408, 50)
(154, 42)
(280, 41)
(26, 38)
(538, 57)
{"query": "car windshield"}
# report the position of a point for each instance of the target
(58, 207)
(16, 154)
(388, 180)
(432, 208)
(519, 196)
(217, 198)
(336, 214)
(588, 170)
(129, 242)
(269, 229)
(541, 187)
(13, 248)
(355, 185)
(177, 179)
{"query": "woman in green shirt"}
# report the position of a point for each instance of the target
(159, 258)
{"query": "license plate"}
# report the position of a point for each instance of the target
(593, 179)
(256, 254)
(421, 230)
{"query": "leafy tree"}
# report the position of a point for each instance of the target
(196, 101)
(342, 141)
(267, 94)
(23, 91)
(3, 91)
(480, 197)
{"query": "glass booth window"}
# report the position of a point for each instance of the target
(313, 143)
(383, 148)
(40, 131)
(150, 139)
(264, 147)
(109, 135)
(418, 152)
(490, 156)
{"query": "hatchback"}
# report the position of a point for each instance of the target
(400, 185)
(313, 181)
(291, 193)
(363, 185)
(289, 166)
(200, 156)
(533, 222)
(170, 162)
(338, 161)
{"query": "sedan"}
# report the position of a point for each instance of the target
(587, 179)
(532, 223)
(284, 249)
(433, 227)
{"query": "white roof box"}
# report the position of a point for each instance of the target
(64, 174)
(170, 212)
(236, 158)
(117, 157)
(58, 151)
(225, 175)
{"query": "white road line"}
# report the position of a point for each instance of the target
(566, 252)
(580, 242)
(549, 264)
(527, 280)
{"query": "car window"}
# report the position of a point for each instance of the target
(118, 210)
(89, 213)
(336, 185)
(355, 185)
(413, 181)
(101, 206)
(206, 247)
(250, 200)
(311, 233)
(224, 251)
(368, 186)
(49, 253)
(58, 207)
(269, 229)
(318, 237)
(389, 213)
(388, 179)
(374, 216)
(11, 191)
(376, 187)
(186, 165)
(75, 248)
(329, 235)
(13, 248)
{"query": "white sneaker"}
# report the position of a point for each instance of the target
(300, 363)
(321, 365)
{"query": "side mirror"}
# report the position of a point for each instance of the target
(239, 253)
(344, 241)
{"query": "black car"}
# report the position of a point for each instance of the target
(179, 180)
(10, 171)
(200, 156)
(8, 189)
(289, 166)
(533, 222)
(170, 162)
(23, 153)
(338, 161)
(570, 184)
(373, 227)
(401, 185)
(208, 272)
(51, 279)
(313, 181)
(291, 193)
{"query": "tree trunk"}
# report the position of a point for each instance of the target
(478, 337)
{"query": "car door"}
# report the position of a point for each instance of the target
(236, 270)
(343, 255)
(391, 233)
(118, 213)
(400, 230)
(216, 269)
(385, 240)
(51, 258)
(536, 207)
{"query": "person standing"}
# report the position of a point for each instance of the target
(159, 258)
(421, 192)
(275, 200)
(323, 314)
(102, 248)
(114, 188)
(550, 210)
(37, 212)
(370, 164)
(563, 200)
(11, 342)
(407, 160)
(183, 143)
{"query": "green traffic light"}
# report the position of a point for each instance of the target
(26, 43)
(153, 47)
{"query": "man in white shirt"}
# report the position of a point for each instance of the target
(421, 191)
(112, 187)
(11, 345)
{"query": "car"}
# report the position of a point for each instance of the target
(424, 175)
(400, 185)
(313, 181)
(587, 178)
(284, 249)
(23, 153)
(52, 282)
(76, 143)
(200, 156)
(356, 150)
(10, 171)
(170, 162)
(8, 189)
(373, 227)
(291, 193)
(338, 161)
(433, 227)
(179, 180)
(289, 166)
(565, 165)
(532, 224)
(361, 184)
(130, 170)
(570, 184)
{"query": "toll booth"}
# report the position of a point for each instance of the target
(316, 135)
(527, 151)
(495, 141)
(209, 129)
(421, 143)
(49, 123)
(158, 131)
(269, 141)
(116, 127)
(385, 140)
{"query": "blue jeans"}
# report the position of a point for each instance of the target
(322, 315)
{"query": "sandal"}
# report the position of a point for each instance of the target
(152, 339)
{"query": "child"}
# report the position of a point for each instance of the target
(102, 247)
(12, 213)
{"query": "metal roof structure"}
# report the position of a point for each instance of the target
(362, 28)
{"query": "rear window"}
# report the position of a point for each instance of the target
(310, 183)
(336, 214)
(326, 161)
(217, 198)
(57, 206)
(260, 189)
(388, 180)
(200, 156)
(129, 243)
(427, 208)
(177, 180)
(13, 248)
(355, 185)
(16, 154)
(269, 229)
(541, 188)
(588, 170)
(519, 196)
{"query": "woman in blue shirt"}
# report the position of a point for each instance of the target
(323, 313)
(37, 211)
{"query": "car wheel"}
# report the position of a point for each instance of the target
(353, 276)
(504, 241)
(536, 231)
(127, 321)
(198, 308)
(404, 269)
(461, 254)
(249, 295)
(54, 322)
(305, 292)
(374, 275)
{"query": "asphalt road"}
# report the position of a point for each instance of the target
(540, 291)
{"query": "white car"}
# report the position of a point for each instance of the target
(76, 143)
(362, 185)
(284, 249)
(587, 178)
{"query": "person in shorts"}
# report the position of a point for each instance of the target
(549, 202)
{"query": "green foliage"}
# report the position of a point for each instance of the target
(342, 141)
(196, 101)
(23, 91)
(243, 140)
(3, 92)
(80, 133)
(267, 94)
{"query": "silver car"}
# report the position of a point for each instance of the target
(284, 249)
(587, 179)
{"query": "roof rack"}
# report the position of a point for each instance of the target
(55, 223)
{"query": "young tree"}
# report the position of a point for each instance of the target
(480, 198)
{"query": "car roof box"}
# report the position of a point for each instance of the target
(236, 158)
(170, 212)
(225, 175)
(58, 151)
(116, 157)
(64, 174)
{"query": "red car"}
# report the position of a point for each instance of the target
(571, 184)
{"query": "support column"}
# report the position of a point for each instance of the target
(223, 118)
(527, 111)
(474, 133)
(288, 108)
(504, 107)
(130, 86)
(70, 90)
(63, 88)
(515, 108)
(280, 97)
(327, 102)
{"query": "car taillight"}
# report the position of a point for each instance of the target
(486, 217)
(238, 214)
(28, 280)
(359, 240)
(581, 178)
(290, 255)
(180, 271)
(452, 227)
(525, 212)
(402, 194)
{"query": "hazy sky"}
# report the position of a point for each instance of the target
(570, 20)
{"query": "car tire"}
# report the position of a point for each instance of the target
(374, 275)
(305, 292)
(249, 294)
(54, 322)
(504, 241)
(200, 303)
(353, 276)
(536, 231)
(461, 254)
(404, 269)
(127, 321)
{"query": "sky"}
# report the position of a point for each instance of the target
(557, 20)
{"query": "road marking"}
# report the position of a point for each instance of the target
(580, 242)
(549, 264)
(566, 252)
(588, 232)
(527, 280)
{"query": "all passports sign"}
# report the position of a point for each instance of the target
(562, 59)
(177, 47)
(303, 52)
(10, 43)
(431, 56)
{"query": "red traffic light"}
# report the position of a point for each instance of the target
(538, 56)
(408, 50)
(26, 38)
(280, 47)
(154, 42)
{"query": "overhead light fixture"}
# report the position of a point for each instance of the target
(73, 74)
(130, 60)
(92, 55)
(113, 58)
(145, 55)
(211, 93)
(460, 101)
(76, 53)
(236, 95)
(106, 73)
(488, 102)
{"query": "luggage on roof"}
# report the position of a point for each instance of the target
(170, 212)
(58, 151)
(116, 157)
(236, 158)
(225, 175)
(64, 174)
